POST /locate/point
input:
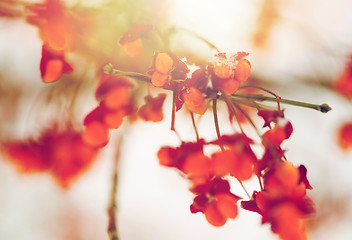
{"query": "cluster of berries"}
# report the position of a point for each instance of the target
(281, 201)
(61, 153)
(56, 31)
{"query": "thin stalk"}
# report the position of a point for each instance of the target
(194, 125)
(247, 117)
(260, 88)
(258, 133)
(109, 69)
(238, 122)
(232, 111)
(216, 122)
(255, 128)
(260, 183)
(173, 116)
(112, 226)
(265, 90)
(324, 108)
(249, 196)
(173, 112)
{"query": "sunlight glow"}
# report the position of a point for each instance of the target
(213, 19)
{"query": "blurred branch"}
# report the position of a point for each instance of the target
(112, 227)
(12, 8)
(212, 94)
(324, 108)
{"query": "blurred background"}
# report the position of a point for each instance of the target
(297, 49)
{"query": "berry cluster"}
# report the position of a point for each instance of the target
(281, 198)
(55, 29)
(62, 153)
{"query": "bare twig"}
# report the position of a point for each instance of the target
(216, 122)
(112, 227)
(324, 108)
(194, 125)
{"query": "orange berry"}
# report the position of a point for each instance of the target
(229, 85)
(222, 70)
(242, 70)
(262, 200)
(290, 225)
(159, 79)
(117, 97)
(95, 134)
(114, 120)
(287, 174)
(242, 168)
(164, 156)
(226, 204)
(163, 63)
(57, 34)
(343, 84)
(62, 154)
(27, 157)
(133, 48)
(197, 164)
(53, 70)
(213, 216)
(278, 134)
(156, 116)
(70, 156)
(194, 100)
(345, 136)
(148, 114)
(222, 163)
(152, 109)
(285, 180)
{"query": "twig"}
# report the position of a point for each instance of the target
(216, 122)
(112, 227)
(265, 90)
(194, 125)
(324, 108)
(245, 190)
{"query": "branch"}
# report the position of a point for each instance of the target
(324, 108)
(112, 227)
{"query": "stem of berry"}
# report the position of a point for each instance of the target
(324, 108)
(259, 88)
(216, 121)
(230, 106)
(247, 117)
(194, 125)
(245, 190)
(260, 183)
(278, 98)
(112, 227)
(173, 115)
(109, 69)
(173, 111)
